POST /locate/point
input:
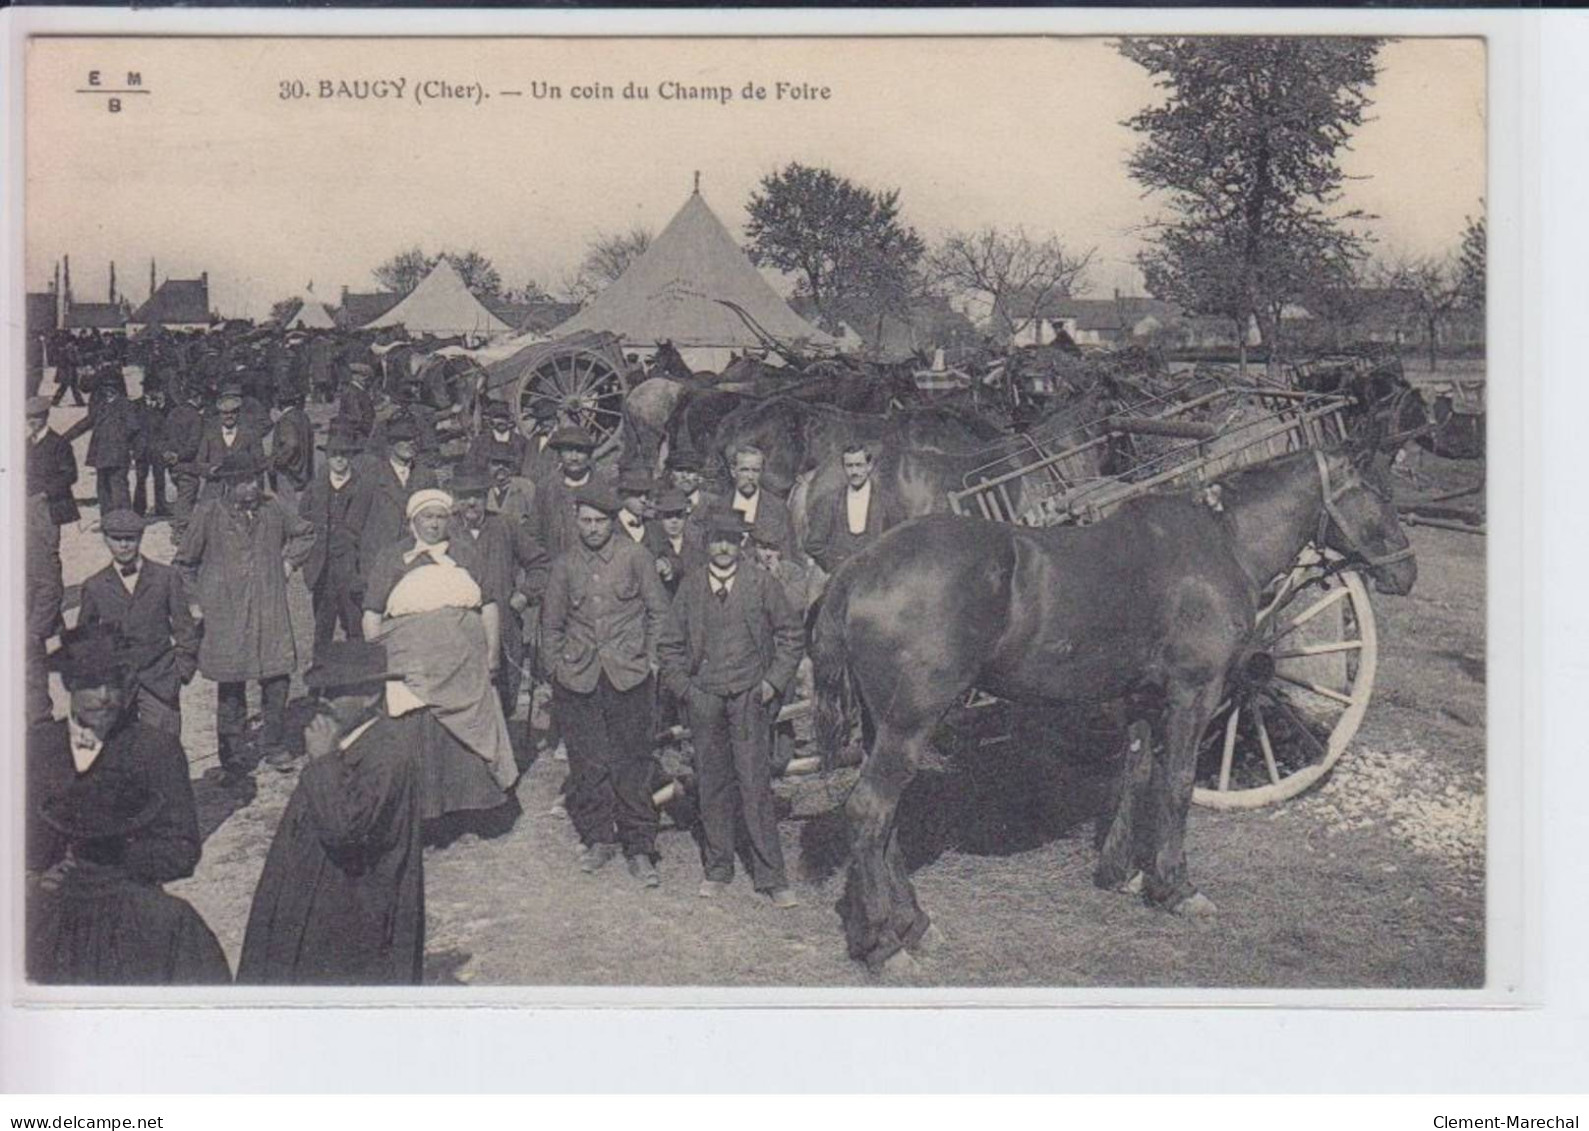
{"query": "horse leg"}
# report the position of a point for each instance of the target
(872, 887)
(1118, 856)
(1167, 884)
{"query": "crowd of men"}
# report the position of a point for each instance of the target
(642, 603)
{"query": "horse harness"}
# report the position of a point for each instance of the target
(1331, 513)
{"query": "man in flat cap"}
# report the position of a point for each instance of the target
(554, 525)
(603, 609)
(337, 503)
(392, 476)
(101, 737)
(341, 900)
(237, 554)
(227, 434)
(147, 602)
(51, 470)
(517, 568)
(729, 650)
(100, 925)
(356, 405)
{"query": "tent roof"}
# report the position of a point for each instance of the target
(311, 314)
(443, 306)
(670, 293)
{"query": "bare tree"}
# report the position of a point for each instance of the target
(1015, 273)
(1432, 283)
(607, 256)
(407, 269)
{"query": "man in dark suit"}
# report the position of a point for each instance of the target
(99, 738)
(729, 649)
(337, 502)
(147, 602)
(850, 519)
(391, 476)
(685, 468)
(291, 448)
(678, 544)
(51, 470)
(499, 431)
(356, 405)
(179, 452)
(66, 371)
(149, 468)
(227, 434)
(554, 525)
(113, 422)
(760, 509)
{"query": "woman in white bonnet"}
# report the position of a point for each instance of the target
(427, 602)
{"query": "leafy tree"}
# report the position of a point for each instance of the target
(285, 309)
(1471, 261)
(607, 256)
(407, 269)
(1244, 151)
(404, 271)
(841, 241)
(1014, 273)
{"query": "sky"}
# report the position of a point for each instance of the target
(223, 167)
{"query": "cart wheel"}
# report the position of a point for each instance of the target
(1289, 715)
(585, 387)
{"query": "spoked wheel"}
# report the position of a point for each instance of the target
(586, 389)
(1290, 713)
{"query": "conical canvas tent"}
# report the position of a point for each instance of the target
(442, 305)
(671, 293)
(311, 315)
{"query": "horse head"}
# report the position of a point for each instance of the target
(1359, 517)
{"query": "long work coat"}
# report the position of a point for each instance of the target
(292, 448)
(342, 898)
(104, 927)
(236, 562)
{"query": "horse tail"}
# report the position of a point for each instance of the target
(829, 669)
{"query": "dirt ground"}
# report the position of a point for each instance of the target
(1374, 879)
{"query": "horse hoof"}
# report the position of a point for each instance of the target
(931, 942)
(1197, 906)
(898, 966)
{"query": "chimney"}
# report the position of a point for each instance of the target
(113, 282)
(151, 276)
(68, 259)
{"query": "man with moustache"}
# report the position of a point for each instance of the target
(554, 524)
(760, 510)
(852, 518)
(227, 435)
(392, 476)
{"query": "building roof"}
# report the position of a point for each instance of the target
(177, 302)
(360, 309)
(537, 316)
(443, 306)
(673, 292)
(95, 316)
(41, 312)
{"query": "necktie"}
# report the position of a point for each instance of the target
(722, 593)
(129, 570)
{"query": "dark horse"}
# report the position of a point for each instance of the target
(1155, 605)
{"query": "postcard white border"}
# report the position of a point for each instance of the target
(1014, 1042)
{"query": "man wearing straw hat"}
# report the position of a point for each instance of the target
(238, 550)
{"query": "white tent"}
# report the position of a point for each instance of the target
(442, 305)
(312, 315)
(673, 292)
